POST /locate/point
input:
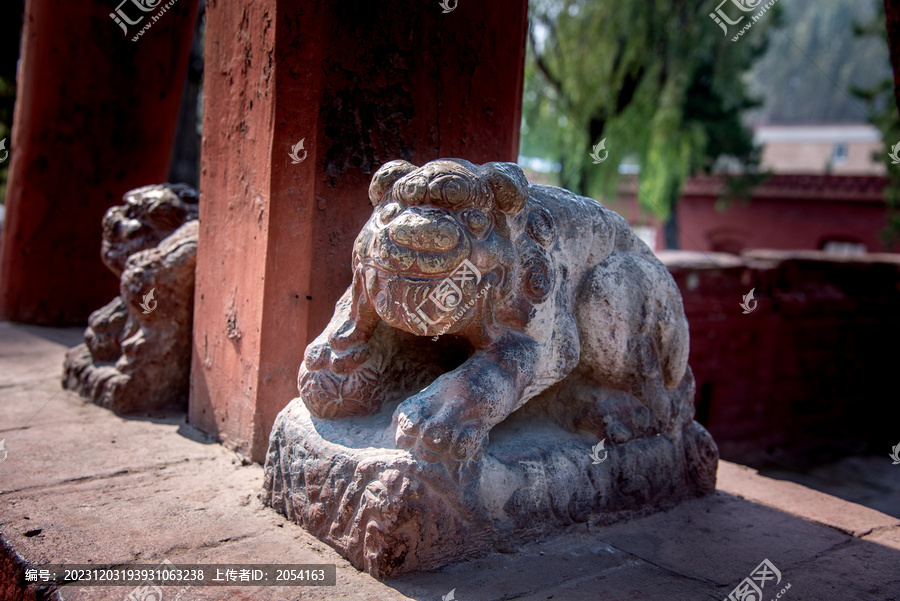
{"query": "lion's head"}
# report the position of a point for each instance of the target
(148, 215)
(438, 235)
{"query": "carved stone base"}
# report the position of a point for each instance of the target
(389, 513)
(161, 384)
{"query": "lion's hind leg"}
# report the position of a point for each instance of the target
(633, 333)
(579, 404)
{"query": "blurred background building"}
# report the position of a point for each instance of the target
(821, 148)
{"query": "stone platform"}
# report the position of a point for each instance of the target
(388, 513)
(82, 485)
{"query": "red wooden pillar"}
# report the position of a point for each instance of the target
(95, 116)
(360, 83)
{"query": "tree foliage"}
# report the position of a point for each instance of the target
(882, 106)
(657, 80)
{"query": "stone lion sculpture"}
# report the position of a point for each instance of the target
(481, 306)
(136, 354)
(474, 291)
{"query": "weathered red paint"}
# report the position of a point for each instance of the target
(95, 117)
(361, 84)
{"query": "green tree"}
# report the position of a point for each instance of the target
(882, 100)
(657, 80)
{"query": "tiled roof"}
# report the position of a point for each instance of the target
(844, 188)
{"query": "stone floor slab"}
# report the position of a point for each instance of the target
(722, 539)
(163, 490)
(859, 570)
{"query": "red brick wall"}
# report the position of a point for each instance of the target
(814, 365)
(786, 212)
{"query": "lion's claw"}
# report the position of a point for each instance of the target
(337, 385)
(350, 360)
(441, 433)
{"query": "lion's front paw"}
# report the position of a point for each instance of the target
(436, 430)
(340, 384)
(320, 355)
(105, 326)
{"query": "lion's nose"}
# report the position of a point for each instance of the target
(424, 232)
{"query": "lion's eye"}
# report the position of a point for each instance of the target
(389, 212)
(476, 220)
(412, 190)
(452, 190)
(127, 227)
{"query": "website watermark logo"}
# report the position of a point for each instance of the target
(449, 596)
(148, 298)
(895, 149)
(295, 158)
(462, 311)
(445, 4)
(748, 298)
(895, 455)
(122, 18)
(4, 453)
(448, 296)
(3, 148)
(750, 588)
(595, 453)
(147, 590)
(601, 145)
(723, 20)
(136, 11)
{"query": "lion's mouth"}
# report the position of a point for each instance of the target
(426, 306)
